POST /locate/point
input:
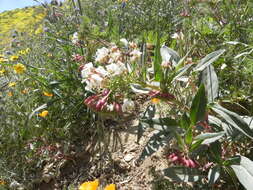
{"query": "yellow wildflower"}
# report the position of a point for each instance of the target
(3, 60)
(48, 94)
(155, 100)
(11, 84)
(25, 91)
(24, 51)
(2, 182)
(110, 187)
(10, 94)
(2, 71)
(14, 57)
(19, 68)
(43, 114)
(90, 185)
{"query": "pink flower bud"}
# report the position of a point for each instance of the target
(174, 159)
(80, 68)
(117, 107)
(90, 99)
(105, 92)
(77, 57)
(192, 163)
(101, 103)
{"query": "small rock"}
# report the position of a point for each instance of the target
(129, 157)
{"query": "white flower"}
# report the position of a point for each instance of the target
(116, 69)
(166, 64)
(87, 70)
(135, 54)
(75, 38)
(133, 45)
(223, 66)
(110, 107)
(115, 56)
(178, 36)
(128, 105)
(124, 41)
(101, 71)
(102, 55)
(94, 82)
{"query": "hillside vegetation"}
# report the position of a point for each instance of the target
(27, 20)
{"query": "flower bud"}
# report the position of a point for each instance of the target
(117, 107)
(105, 92)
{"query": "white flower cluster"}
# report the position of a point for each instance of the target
(95, 77)
(111, 62)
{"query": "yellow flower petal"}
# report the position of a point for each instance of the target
(19, 68)
(10, 94)
(25, 91)
(155, 100)
(43, 114)
(3, 60)
(48, 94)
(14, 57)
(2, 182)
(90, 185)
(2, 71)
(110, 187)
(11, 84)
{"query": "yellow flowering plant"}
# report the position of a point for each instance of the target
(43, 113)
(19, 68)
(93, 185)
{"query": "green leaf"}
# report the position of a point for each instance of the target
(209, 59)
(169, 55)
(136, 88)
(213, 174)
(244, 172)
(188, 136)
(182, 174)
(179, 139)
(209, 138)
(158, 60)
(210, 80)
(198, 107)
(185, 122)
(161, 124)
(234, 120)
(158, 140)
(195, 145)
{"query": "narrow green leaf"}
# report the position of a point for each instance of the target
(210, 80)
(234, 120)
(244, 172)
(188, 136)
(209, 138)
(198, 107)
(214, 174)
(185, 122)
(209, 59)
(161, 124)
(158, 60)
